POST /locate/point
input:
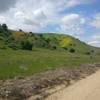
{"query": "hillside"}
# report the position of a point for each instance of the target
(57, 41)
(23, 53)
(28, 41)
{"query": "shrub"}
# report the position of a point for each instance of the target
(20, 30)
(13, 46)
(65, 48)
(88, 53)
(48, 40)
(92, 51)
(71, 50)
(40, 35)
(26, 45)
(53, 47)
(70, 44)
(3, 47)
(74, 44)
(1, 38)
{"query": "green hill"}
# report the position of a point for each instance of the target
(53, 41)
(67, 42)
(23, 53)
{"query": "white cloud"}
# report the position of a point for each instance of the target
(34, 15)
(69, 18)
(38, 13)
(72, 24)
(19, 14)
(94, 43)
(96, 37)
(72, 3)
(2, 19)
(96, 21)
(95, 40)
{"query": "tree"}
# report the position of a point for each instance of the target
(4, 31)
(20, 30)
(1, 29)
(5, 27)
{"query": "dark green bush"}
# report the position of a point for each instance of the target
(65, 48)
(71, 50)
(26, 45)
(88, 53)
(53, 47)
(13, 46)
(92, 51)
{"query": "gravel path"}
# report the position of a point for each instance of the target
(85, 89)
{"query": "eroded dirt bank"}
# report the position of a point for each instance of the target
(35, 86)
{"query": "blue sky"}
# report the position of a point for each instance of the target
(79, 18)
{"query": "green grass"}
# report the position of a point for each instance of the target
(22, 63)
(79, 46)
(18, 63)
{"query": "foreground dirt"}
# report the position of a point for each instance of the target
(39, 86)
(86, 89)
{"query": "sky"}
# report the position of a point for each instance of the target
(78, 18)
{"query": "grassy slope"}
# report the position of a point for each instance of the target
(78, 45)
(22, 63)
(19, 62)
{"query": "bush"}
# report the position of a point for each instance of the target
(13, 46)
(88, 53)
(65, 48)
(92, 51)
(40, 43)
(71, 50)
(53, 47)
(26, 45)
(70, 44)
(1, 38)
(3, 47)
(20, 30)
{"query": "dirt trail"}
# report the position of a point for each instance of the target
(85, 89)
